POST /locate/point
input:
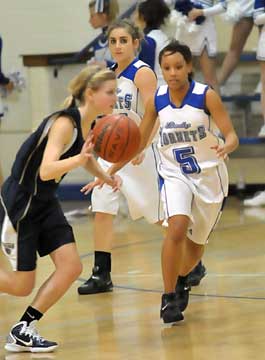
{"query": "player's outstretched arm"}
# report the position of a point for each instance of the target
(222, 120)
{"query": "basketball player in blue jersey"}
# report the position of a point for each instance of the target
(31, 219)
(193, 174)
(136, 83)
(150, 16)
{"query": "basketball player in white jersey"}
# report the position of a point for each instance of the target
(136, 84)
(193, 174)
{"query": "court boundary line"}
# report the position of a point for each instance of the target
(123, 287)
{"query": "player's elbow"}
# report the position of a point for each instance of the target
(44, 174)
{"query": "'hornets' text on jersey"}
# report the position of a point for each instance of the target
(187, 134)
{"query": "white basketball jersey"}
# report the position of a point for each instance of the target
(186, 132)
(128, 98)
(161, 40)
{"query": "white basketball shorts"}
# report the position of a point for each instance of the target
(139, 186)
(180, 199)
(204, 38)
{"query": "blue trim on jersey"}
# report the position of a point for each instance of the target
(195, 100)
(161, 101)
(259, 5)
(130, 71)
(161, 182)
(148, 51)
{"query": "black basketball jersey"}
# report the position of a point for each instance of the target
(25, 170)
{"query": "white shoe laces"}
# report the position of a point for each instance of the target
(31, 331)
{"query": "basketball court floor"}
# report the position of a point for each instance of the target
(224, 320)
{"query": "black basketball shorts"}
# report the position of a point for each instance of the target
(29, 226)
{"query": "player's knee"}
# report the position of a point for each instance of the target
(23, 289)
(178, 237)
(74, 270)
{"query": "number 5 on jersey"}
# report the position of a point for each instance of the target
(188, 162)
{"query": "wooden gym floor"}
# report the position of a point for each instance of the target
(225, 318)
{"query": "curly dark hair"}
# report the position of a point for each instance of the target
(176, 47)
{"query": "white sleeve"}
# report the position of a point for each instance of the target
(214, 10)
(260, 19)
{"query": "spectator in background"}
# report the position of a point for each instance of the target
(4, 81)
(8, 85)
(102, 13)
(241, 30)
(150, 16)
(259, 19)
(202, 42)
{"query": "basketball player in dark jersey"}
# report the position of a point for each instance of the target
(31, 219)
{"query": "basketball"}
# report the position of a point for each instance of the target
(116, 138)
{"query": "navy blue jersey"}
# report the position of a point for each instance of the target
(25, 170)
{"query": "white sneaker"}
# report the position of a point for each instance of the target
(257, 200)
(256, 212)
(262, 131)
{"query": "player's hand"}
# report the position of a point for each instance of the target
(194, 13)
(87, 150)
(114, 181)
(221, 152)
(138, 159)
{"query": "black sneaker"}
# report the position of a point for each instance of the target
(182, 292)
(25, 338)
(99, 282)
(170, 312)
(196, 275)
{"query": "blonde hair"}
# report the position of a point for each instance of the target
(110, 8)
(91, 77)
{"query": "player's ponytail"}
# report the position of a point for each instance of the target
(90, 77)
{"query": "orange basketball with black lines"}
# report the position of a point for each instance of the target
(116, 138)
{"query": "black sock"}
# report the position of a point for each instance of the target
(31, 314)
(169, 296)
(182, 279)
(103, 261)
